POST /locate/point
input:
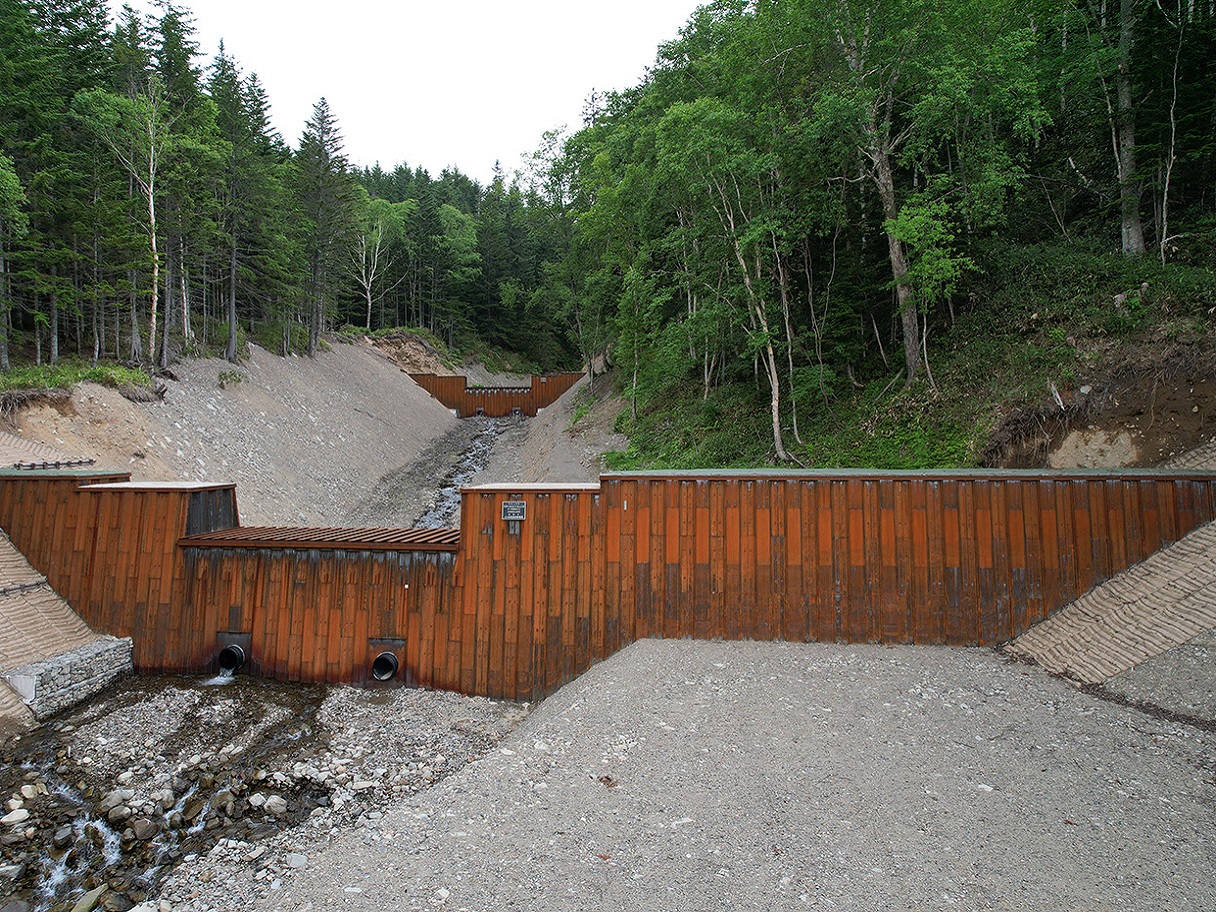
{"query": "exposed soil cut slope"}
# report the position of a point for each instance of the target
(1156, 402)
(411, 352)
(342, 439)
(554, 449)
(303, 438)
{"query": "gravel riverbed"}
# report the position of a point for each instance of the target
(676, 775)
(684, 775)
(201, 793)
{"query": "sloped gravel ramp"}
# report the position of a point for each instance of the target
(685, 775)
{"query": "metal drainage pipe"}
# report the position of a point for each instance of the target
(385, 666)
(231, 658)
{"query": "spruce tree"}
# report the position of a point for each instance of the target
(327, 198)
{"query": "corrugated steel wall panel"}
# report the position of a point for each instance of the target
(515, 608)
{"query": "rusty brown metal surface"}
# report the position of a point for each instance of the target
(496, 401)
(548, 580)
(324, 538)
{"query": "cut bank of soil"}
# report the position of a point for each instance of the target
(1158, 402)
(304, 439)
(342, 439)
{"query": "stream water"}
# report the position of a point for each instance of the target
(445, 514)
(122, 789)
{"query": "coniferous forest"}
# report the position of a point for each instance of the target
(878, 215)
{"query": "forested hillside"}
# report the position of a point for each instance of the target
(818, 231)
(148, 210)
(880, 222)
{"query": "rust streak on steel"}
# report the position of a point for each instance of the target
(304, 538)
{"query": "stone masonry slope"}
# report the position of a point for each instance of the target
(49, 658)
(35, 623)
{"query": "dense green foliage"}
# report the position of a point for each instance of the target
(826, 231)
(148, 209)
(849, 227)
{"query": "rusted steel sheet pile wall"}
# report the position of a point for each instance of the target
(958, 558)
(136, 575)
(321, 604)
(496, 401)
(544, 581)
(52, 523)
(109, 547)
(167, 565)
(320, 615)
(533, 590)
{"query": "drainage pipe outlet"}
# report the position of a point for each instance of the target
(231, 658)
(384, 667)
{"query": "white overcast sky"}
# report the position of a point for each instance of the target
(435, 83)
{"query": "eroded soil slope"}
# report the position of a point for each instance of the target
(342, 439)
(1152, 403)
(303, 438)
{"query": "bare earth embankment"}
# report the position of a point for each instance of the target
(342, 439)
(305, 439)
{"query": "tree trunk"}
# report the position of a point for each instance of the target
(230, 349)
(54, 322)
(184, 288)
(155, 268)
(770, 358)
(5, 305)
(168, 321)
(99, 309)
(784, 286)
(1129, 183)
(774, 384)
(905, 304)
(137, 344)
(1163, 233)
(314, 323)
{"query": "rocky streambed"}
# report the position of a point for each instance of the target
(166, 792)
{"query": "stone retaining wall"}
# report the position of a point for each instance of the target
(53, 684)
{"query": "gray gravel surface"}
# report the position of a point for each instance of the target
(401, 497)
(1181, 680)
(687, 776)
(225, 788)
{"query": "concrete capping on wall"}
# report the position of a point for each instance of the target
(51, 685)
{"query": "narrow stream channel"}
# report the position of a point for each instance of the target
(445, 514)
(104, 811)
